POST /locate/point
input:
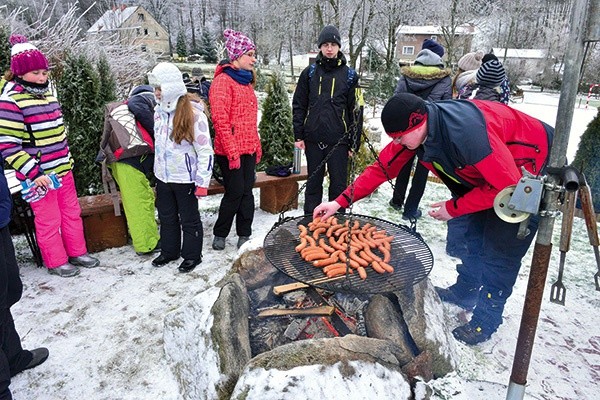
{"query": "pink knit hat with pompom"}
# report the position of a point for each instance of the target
(237, 44)
(25, 57)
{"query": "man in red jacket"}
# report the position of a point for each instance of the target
(477, 148)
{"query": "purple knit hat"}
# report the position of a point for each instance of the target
(25, 57)
(237, 44)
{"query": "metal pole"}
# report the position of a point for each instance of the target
(543, 245)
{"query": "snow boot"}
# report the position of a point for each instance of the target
(242, 240)
(467, 299)
(218, 243)
(85, 261)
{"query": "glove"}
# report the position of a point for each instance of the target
(200, 192)
(32, 193)
(234, 164)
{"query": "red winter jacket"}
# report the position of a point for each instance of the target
(476, 147)
(234, 110)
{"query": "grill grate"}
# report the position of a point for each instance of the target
(410, 256)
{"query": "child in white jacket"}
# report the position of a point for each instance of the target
(182, 165)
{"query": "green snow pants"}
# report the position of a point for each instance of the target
(138, 202)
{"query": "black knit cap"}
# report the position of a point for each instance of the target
(489, 57)
(403, 113)
(330, 34)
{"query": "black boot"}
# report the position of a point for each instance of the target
(162, 260)
(189, 265)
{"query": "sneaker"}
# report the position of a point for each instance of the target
(162, 260)
(465, 302)
(412, 215)
(242, 240)
(66, 270)
(189, 265)
(156, 249)
(85, 261)
(395, 206)
(39, 356)
(473, 333)
(218, 243)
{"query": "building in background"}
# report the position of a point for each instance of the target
(131, 26)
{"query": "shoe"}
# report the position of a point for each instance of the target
(465, 302)
(162, 260)
(156, 249)
(412, 215)
(66, 270)
(189, 265)
(39, 356)
(242, 240)
(395, 206)
(473, 333)
(85, 261)
(218, 243)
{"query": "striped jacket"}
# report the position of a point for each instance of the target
(32, 135)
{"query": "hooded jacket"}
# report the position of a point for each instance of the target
(500, 140)
(326, 106)
(234, 113)
(427, 78)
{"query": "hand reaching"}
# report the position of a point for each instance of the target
(440, 213)
(326, 210)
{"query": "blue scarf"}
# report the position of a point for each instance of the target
(241, 76)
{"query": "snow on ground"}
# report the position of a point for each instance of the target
(104, 328)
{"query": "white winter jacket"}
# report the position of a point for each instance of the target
(185, 162)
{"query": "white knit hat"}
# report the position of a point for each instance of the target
(470, 61)
(170, 80)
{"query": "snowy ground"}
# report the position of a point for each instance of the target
(104, 327)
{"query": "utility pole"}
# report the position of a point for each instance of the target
(585, 20)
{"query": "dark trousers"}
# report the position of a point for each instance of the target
(12, 357)
(337, 169)
(178, 212)
(492, 262)
(417, 186)
(455, 237)
(238, 200)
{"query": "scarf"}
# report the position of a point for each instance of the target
(37, 89)
(241, 76)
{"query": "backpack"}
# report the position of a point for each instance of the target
(352, 74)
(123, 137)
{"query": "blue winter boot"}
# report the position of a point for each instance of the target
(487, 317)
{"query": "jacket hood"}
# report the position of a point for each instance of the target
(141, 89)
(465, 78)
(424, 72)
(429, 58)
(170, 80)
(222, 66)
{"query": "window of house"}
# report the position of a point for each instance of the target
(434, 37)
(408, 50)
(156, 34)
(145, 31)
(138, 30)
(141, 17)
(144, 47)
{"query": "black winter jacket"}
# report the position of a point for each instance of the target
(325, 105)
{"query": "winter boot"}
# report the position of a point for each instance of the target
(487, 317)
(473, 333)
(218, 243)
(242, 240)
(65, 271)
(85, 261)
(465, 298)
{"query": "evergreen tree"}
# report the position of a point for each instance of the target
(108, 86)
(275, 127)
(207, 49)
(4, 49)
(180, 46)
(79, 95)
(587, 158)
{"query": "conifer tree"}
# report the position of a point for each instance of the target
(180, 46)
(275, 127)
(108, 86)
(4, 49)
(79, 95)
(587, 158)
(207, 49)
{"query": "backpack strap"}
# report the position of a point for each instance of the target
(110, 188)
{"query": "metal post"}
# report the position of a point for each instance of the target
(543, 245)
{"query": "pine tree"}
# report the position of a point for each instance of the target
(207, 49)
(587, 158)
(275, 127)
(181, 47)
(4, 49)
(79, 95)
(108, 86)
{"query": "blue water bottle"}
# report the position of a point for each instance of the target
(297, 161)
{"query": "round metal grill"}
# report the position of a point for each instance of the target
(410, 256)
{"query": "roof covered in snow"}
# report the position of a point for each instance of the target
(520, 53)
(466, 29)
(112, 19)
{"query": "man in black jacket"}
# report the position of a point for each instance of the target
(13, 359)
(327, 108)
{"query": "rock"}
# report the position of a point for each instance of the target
(423, 313)
(255, 269)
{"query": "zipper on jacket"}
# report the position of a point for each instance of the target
(332, 89)
(535, 146)
(344, 121)
(320, 83)
(188, 165)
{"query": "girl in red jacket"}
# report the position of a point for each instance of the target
(234, 110)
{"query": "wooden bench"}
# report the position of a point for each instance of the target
(104, 230)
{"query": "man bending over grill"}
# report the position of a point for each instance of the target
(477, 148)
